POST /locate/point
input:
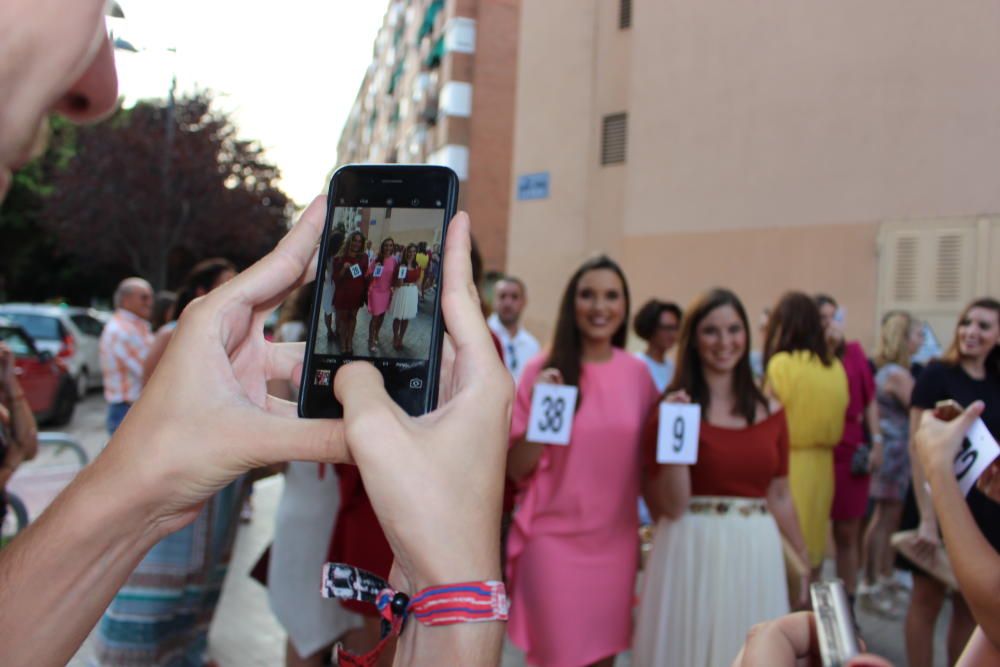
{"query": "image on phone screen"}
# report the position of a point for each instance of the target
(378, 285)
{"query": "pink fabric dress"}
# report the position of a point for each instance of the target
(573, 549)
(850, 495)
(380, 289)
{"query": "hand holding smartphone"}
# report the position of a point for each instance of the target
(383, 224)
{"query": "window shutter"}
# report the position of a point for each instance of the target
(904, 279)
(613, 136)
(948, 270)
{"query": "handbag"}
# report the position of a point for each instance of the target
(861, 460)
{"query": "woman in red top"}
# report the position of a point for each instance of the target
(406, 296)
(349, 269)
(716, 568)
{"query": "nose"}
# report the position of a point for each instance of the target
(94, 94)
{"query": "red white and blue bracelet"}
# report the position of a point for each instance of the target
(469, 602)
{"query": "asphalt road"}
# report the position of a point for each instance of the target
(244, 631)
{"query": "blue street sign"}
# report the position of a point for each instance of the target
(533, 186)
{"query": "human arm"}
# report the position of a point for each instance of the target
(927, 531)
(665, 487)
(979, 651)
(156, 350)
(975, 563)
(523, 456)
(781, 507)
(875, 431)
(452, 533)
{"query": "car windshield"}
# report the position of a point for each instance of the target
(39, 327)
(17, 342)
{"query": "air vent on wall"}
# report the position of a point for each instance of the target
(613, 137)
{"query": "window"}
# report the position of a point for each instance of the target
(613, 135)
(624, 14)
(39, 327)
(91, 326)
(18, 344)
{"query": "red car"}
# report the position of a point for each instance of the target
(46, 381)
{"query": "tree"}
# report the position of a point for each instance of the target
(160, 186)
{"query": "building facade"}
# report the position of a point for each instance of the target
(845, 147)
(440, 89)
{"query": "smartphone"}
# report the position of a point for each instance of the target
(835, 633)
(378, 284)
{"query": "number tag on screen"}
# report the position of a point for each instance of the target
(402, 273)
(378, 271)
(552, 410)
(979, 450)
(677, 439)
(355, 270)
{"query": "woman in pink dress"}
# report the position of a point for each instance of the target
(573, 548)
(380, 274)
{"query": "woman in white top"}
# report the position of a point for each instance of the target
(657, 323)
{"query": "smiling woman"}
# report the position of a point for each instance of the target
(588, 489)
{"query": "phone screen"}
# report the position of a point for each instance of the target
(378, 284)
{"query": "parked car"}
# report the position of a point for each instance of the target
(69, 333)
(46, 381)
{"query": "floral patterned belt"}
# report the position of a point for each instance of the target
(721, 506)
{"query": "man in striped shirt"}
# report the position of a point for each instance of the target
(124, 344)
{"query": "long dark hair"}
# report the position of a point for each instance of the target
(953, 354)
(413, 262)
(345, 249)
(690, 376)
(795, 325)
(567, 346)
(381, 255)
(201, 278)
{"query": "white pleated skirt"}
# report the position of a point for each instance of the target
(404, 304)
(710, 578)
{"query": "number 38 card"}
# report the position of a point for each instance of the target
(677, 439)
(552, 410)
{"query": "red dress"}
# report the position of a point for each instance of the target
(350, 290)
(850, 495)
(357, 536)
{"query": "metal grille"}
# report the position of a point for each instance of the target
(948, 281)
(904, 282)
(624, 14)
(613, 137)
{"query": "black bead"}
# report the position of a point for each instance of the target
(399, 604)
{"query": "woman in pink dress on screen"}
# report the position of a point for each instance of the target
(573, 548)
(380, 276)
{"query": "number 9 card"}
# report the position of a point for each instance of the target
(677, 438)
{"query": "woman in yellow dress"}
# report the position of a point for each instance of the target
(811, 384)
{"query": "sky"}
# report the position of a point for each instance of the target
(288, 71)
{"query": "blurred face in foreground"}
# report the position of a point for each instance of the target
(55, 57)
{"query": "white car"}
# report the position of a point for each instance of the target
(68, 333)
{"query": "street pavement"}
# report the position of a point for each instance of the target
(244, 632)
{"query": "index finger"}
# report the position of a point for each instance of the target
(286, 265)
(459, 296)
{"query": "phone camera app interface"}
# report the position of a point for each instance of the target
(379, 292)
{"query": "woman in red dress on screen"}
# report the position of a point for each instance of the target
(350, 266)
(716, 568)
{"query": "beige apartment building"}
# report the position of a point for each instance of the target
(440, 89)
(848, 147)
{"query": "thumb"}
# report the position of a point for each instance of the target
(970, 415)
(367, 406)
